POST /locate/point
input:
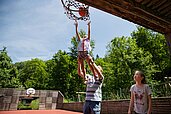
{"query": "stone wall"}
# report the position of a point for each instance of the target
(75, 106)
(159, 106)
(48, 99)
(9, 99)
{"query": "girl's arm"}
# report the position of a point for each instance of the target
(149, 104)
(76, 29)
(89, 29)
(131, 104)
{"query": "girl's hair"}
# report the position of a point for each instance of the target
(142, 75)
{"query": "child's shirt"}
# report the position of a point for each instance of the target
(141, 98)
(84, 45)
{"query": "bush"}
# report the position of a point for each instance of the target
(23, 106)
(34, 105)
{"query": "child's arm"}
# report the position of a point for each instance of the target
(89, 29)
(131, 103)
(76, 27)
(149, 105)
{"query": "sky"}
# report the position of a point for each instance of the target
(39, 29)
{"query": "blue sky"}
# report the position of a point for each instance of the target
(39, 28)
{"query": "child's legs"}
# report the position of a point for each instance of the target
(81, 69)
(89, 60)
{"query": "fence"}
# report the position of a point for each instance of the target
(161, 90)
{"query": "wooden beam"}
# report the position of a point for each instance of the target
(168, 12)
(116, 7)
(139, 1)
(161, 3)
(164, 8)
(146, 1)
(156, 11)
(152, 3)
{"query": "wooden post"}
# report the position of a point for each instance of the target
(168, 40)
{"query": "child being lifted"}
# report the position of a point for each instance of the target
(83, 51)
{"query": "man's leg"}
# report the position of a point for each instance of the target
(95, 107)
(86, 108)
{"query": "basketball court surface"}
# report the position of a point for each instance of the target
(39, 112)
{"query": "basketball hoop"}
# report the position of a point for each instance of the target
(76, 10)
(30, 91)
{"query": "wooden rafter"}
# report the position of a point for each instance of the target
(138, 11)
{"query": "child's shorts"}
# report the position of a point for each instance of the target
(83, 54)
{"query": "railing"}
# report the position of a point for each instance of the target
(162, 90)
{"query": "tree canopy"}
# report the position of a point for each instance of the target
(144, 50)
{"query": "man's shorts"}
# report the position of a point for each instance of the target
(92, 107)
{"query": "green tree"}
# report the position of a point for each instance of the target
(63, 73)
(154, 43)
(50, 65)
(34, 74)
(8, 72)
(125, 57)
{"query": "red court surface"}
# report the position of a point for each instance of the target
(39, 112)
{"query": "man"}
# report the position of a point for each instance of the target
(93, 90)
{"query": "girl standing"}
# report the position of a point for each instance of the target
(140, 102)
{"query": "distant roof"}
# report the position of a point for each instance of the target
(153, 14)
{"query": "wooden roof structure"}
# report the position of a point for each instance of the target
(152, 14)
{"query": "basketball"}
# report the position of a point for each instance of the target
(82, 12)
